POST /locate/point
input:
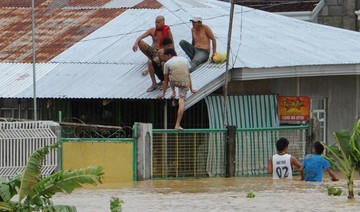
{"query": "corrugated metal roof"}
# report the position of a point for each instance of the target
(17, 77)
(58, 25)
(122, 3)
(102, 65)
(259, 39)
(99, 81)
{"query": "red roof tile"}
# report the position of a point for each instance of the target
(56, 28)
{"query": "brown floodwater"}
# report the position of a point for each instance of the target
(215, 194)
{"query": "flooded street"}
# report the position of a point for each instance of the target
(215, 194)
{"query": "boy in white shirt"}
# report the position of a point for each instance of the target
(280, 164)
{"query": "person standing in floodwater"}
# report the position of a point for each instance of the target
(280, 164)
(315, 164)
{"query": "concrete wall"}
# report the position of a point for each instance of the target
(115, 157)
(341, 92)
(340, 13)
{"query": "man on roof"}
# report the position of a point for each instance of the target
(156, 67)
(157, 33)
(199, 50)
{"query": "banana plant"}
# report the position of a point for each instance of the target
(344, 154)
(35, 192)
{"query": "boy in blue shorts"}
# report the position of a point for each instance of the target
(315, 164)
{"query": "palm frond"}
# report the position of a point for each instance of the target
(32, 171)
(66, 181)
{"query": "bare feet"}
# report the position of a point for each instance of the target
(145, 72)
(334, 179)
(179, 128)
(152, 88)
(193, 91)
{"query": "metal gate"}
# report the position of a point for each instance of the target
(18, 140)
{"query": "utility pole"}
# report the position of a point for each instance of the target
(33, 56)
(227, 74)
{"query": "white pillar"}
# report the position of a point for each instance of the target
(144, 151)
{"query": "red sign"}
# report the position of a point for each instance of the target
(294, 108)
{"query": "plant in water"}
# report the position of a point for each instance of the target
(334, 191)
(115, 204)
(250, 195)
(345, 154)
(35, 192)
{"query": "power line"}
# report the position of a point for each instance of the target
(215, 17)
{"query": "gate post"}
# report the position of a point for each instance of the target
(56, 128)
(144, 151)
(230, 151)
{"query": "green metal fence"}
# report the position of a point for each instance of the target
(185, 153)
(254, 147)
(202, 152)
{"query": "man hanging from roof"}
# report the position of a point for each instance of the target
(176, 71)
(199, 50)
(157, 33)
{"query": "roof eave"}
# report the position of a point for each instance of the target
(295, 71)
(205, 91)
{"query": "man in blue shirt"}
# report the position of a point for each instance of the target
(315, 164)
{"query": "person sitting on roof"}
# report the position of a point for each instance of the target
(199, 50)
(157, 33)
(156, 66)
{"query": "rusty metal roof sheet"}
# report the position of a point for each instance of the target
(56, 27)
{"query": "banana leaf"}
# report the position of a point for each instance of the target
(8, 189)
(4, 206)
(345, 154)
(66, 182)
(32, 171)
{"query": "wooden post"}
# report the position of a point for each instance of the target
(230, 151)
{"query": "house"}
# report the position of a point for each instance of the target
(85, 66)
(342, 14)
(303, 10)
